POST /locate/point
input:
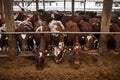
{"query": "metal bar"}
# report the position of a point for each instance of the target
(18, 5)
(37, 5)
(30, 3)
(84, 6)
(43, 4)
(4, 55)
(73, 6)
(64, 5)
(60, 32)
(22, 3)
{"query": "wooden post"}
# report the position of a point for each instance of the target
(44, 5)
(105, 24)
(64, 5)
(84, 6)
(30, 3)
(22, 3)
(37, 6)
(9, 20)
(17, 4)
(73, 2)
(1, 9)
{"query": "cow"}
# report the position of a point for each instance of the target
(57, 39)
(3, 37)
(42, 41)
(114, 39)
(25, 41)
(77, 51)
(89, 38)
(71, 26)
(95, 22)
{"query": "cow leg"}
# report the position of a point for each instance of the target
(40, 60)
(77, 56)
(77, 52)
(40, 63)
(30, 44)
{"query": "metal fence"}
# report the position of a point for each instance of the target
(60, 32)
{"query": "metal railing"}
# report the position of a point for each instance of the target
(60, 32)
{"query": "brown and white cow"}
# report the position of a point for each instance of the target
(42, 42)
(57, 39)
(77, 51)
(89, 38)
(3, 37)
(25, 41)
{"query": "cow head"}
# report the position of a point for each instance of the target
(77, 50)
(58, 53)
(24, 39)
(89, 39)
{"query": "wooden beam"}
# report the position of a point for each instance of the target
(37, 5)
(84, 6)
(17, 4)
(1, 10)
(30, 3)
(105, 24)
(22, 3)
(73, 2)
(43, 4)
(9, 20)
(64, 5)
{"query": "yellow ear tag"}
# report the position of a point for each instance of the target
(48, 54)
(97, 24)
(64, 50)
(96, 40)
(69, 49)
(29, 36)
(83, 37)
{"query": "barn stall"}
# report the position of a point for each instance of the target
(94, 64)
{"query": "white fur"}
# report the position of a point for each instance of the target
(61, 45)
(53, 26)
(119, 17)
(56, 51)
(40, 54)
(52, 16)
(39, 28)
(63, 28)
(0, 49)
(89, 37)
(53, 22)
(23, 36)
(3, 27)
(76, 47)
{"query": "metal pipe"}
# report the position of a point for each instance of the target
(60, 32)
